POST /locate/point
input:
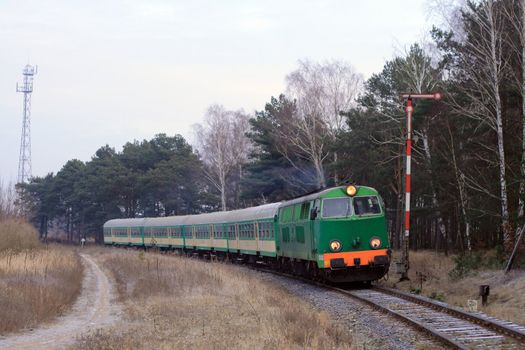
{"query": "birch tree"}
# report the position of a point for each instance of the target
(481, 67)
(322, 92)
(515, 13)
(221, 140)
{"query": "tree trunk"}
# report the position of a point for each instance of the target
(435, 203)
(321, 181)
(223, 190)
(460, 179)
(336, 180)
(521, 203)
(495, 72)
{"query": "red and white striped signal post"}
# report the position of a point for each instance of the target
(409, 109)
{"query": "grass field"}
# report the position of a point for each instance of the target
(456, 280)
(37, 282)
(172, 302)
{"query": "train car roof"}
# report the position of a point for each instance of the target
(266, 211)
(125, 222)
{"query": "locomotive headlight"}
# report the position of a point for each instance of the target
(375, 243)
(351, 190)
(335, 246)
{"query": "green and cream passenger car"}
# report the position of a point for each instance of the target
(337, 234)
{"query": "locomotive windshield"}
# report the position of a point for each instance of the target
(366, 205)
(336, 207)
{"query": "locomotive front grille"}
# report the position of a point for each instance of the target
(337, 263)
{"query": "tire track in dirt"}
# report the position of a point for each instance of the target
(93, 309)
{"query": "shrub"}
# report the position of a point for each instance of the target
(465, 265)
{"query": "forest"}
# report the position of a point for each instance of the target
(330, 127)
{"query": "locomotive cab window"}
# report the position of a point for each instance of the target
(336, 207)
(367, 205)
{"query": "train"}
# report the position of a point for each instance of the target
(338, 235)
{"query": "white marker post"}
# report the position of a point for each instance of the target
(409, 109)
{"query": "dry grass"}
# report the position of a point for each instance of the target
(17, 235)
(506, 300)
(173, 302)
(36, 282)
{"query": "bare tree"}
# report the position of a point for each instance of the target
(460, 180)
(221, 140)
(8, 199)
(322, 91)
(515, 13)
(482, 64)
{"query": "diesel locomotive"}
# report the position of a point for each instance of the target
(338, 234)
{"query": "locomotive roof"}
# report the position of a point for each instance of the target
(361, 190)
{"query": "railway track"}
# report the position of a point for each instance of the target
(449, 325)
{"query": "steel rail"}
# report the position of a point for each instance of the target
(503, 327)
(440, 336)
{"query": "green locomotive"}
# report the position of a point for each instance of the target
(338, 234)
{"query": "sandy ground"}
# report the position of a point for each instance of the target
(95, 308)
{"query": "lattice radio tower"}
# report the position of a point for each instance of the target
(24, 161)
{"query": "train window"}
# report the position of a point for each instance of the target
(305, 211)
(336, 207)
(286, 234)
(188, 231)
(154, 232)
(366, 205)
(231, 231)
(203, 232)
(286, 214)
(135, 232)
(120, 232)
(263, 230)
(217, 231)
(297, 212)
(299, 234)
(176, 232)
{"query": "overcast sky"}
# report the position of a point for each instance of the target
(114, 71)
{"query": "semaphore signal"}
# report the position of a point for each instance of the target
(410, 109)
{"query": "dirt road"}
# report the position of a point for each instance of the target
(93, 309)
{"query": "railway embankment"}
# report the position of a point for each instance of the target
(37, 282)
(176, 302)
(456, 280)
